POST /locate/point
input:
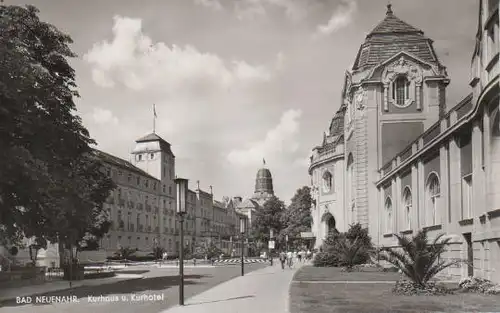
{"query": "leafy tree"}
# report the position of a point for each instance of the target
(267, 218)
(209, 250)
(158, 252)
(53, 186)
(297, 217)
(417, 259)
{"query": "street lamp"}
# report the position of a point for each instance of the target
(286, 240)
(181, 198)
(242, 231)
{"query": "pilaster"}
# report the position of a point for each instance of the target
(398, 207)
(477, 171)
(487, 157)
(444, 214)
(414, 197)
(421, 195)
(455, 182)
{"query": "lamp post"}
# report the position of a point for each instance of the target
(286, 239)
(242, 231)
(181, 199)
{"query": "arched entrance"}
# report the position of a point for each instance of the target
(330, 223)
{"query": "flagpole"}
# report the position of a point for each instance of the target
(154, 118)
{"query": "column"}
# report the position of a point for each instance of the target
(386, 97)
(455, 182)
(444, 211)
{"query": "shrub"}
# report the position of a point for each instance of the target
(479, 285)
(418, 260)
(345, 249)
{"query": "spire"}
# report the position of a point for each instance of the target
(198, 185)
(389, 9)
(154, 118)
(264, 161)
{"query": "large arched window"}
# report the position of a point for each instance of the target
(433, 195)
(400, 90)
(388, 215)
(407, 207)
(327, 181)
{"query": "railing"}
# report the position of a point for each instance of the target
(431, 133)
(406, 153)
(463, 108)
(387, 167)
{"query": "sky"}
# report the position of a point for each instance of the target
(234, 81)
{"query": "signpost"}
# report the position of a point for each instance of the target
(271, 244)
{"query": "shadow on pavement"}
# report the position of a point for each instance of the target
(130, 286)
(228, 299)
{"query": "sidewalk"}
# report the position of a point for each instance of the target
(265, 290)
(12, 293)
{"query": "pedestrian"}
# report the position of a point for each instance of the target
(282, 259)
(308, 254)
(289, 257)
(299, 256)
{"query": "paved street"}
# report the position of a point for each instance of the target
(159, 283)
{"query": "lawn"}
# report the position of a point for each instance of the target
(330, 290)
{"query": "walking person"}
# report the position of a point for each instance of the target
(282, 259)
(289, 257)
(299, 256)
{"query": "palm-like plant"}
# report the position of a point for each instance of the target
(349, 252)
(418, 260)
(125, 252)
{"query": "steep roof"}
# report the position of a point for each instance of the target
(164, 145)
(391, 36)
(248, 203)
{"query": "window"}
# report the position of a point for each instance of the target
(467, 197)
(388, 214)
(138, 220)
(407, 206)
(138, 180)
(146, 183)
(129, 178)
(400, 90)
(433, 195)
(164, 188)
(327, 181)
(139, 157)
(350, 183)
(152, 156)
(170, 190)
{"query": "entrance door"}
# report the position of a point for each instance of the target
(470, 254)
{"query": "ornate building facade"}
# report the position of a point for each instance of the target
(396, 160)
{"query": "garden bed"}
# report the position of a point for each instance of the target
(330, 290)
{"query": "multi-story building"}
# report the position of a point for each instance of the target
(396, 160)
(142, 208)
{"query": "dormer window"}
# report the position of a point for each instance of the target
(151, 156)
(401, 91)
(139, 157)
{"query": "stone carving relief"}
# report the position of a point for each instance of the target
(359, 97)
(412, 73)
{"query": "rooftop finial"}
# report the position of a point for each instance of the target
(389, 9)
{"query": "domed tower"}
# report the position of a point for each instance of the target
(263, 185)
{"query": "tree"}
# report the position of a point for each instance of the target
(125, 253)
(52, 184)
(417, 259)
(267, 218)
(297, 216)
